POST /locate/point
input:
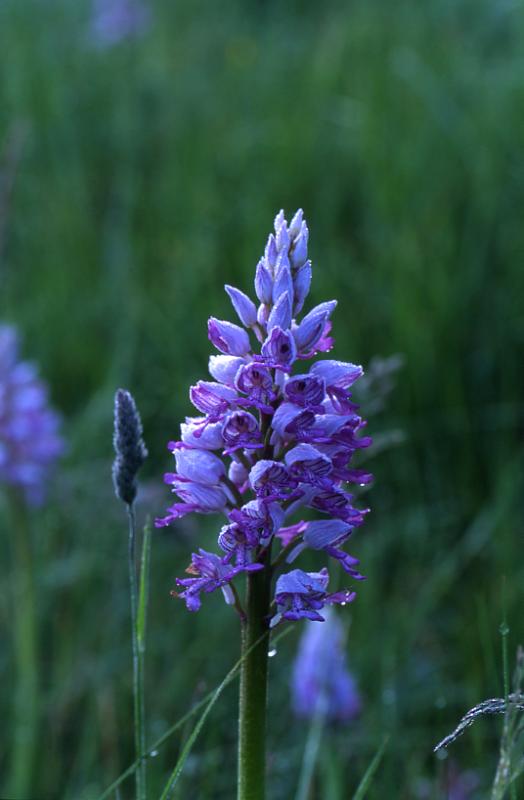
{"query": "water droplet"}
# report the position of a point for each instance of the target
(153, 753)
(272, 653)
(362, 484)
(343, 603)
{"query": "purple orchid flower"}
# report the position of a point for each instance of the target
(210, 573)
(270, 443)
(301, 595)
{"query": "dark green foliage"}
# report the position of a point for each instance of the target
(144, 178)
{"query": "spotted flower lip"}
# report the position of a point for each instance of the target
(274, 440)
(309, 465)
(306, 391)
(241, 431)
(212, 398)
(279, 349)
(255, 381)
(270, 479)
(290, 421)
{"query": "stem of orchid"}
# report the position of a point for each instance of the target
(25, 646)
(253, 688)
(138, 663)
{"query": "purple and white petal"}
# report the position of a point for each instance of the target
(199, 465)
(311, 329)
(337, 373)
(228, 338)
(321, 533)
(224, 368)
(280, 315)
(301, 286)
(197, 432)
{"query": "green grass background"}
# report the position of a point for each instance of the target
(147, 175)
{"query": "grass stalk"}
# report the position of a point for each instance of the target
(25, 651)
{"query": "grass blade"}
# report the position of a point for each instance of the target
(152, 750)
(368, 775)
(177, 770)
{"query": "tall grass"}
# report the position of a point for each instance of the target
(145, 175)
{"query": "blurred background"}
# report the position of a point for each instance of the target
(144, 151)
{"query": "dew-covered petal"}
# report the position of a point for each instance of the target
(301, 286)
(337, 373)
(321, 533)
(224, 368)
(199, 465)
(264, 282)
(243, 305)
(311, 329)
(228, 338)
(280, 315)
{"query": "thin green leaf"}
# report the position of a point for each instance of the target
(177, 770)
(369, 773)
(152, 750)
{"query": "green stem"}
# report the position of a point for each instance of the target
(253, 689)
(24, 627)
(138, 663)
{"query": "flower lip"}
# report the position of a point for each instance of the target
(240, 430)
(307, 391)
(279, 350)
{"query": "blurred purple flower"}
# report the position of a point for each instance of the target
(30, 441)
(112, 21)
(321, 682)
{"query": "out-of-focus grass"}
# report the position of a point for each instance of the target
(148, 175)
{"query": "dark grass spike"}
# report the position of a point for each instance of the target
(495, 705)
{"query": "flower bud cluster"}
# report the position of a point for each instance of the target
(270, 445)
(30, 442)
(130, 450)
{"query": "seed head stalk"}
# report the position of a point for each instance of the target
(138, 662)
(130, 454)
